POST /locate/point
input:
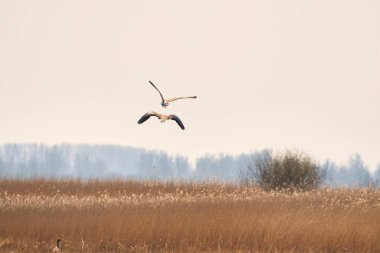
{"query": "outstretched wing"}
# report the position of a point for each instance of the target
(146, 116)
(176, 98)
(176, 119)
(157, 90)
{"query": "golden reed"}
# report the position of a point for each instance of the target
(132, 216)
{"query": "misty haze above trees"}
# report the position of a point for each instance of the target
(111, 161)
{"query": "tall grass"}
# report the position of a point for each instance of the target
(130, 216)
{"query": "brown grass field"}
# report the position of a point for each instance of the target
(131, 216)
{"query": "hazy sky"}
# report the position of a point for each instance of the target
(268, 74)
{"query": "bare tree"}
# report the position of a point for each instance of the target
(291, 170)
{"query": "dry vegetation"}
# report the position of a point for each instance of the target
(119, 216)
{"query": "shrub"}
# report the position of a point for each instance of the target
(290, 170)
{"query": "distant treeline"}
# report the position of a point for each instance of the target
(23, 161)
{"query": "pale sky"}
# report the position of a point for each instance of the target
(268, 74)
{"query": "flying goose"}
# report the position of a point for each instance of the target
(58, 247)
(161, 117)
(165, 102)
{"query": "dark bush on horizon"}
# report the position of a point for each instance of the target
(291, 170)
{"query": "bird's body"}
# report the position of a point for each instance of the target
(165, 102)
(58, 247)
(162, 118)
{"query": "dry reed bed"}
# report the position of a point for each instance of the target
(120, 216)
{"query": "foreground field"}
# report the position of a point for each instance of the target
(119, 216)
